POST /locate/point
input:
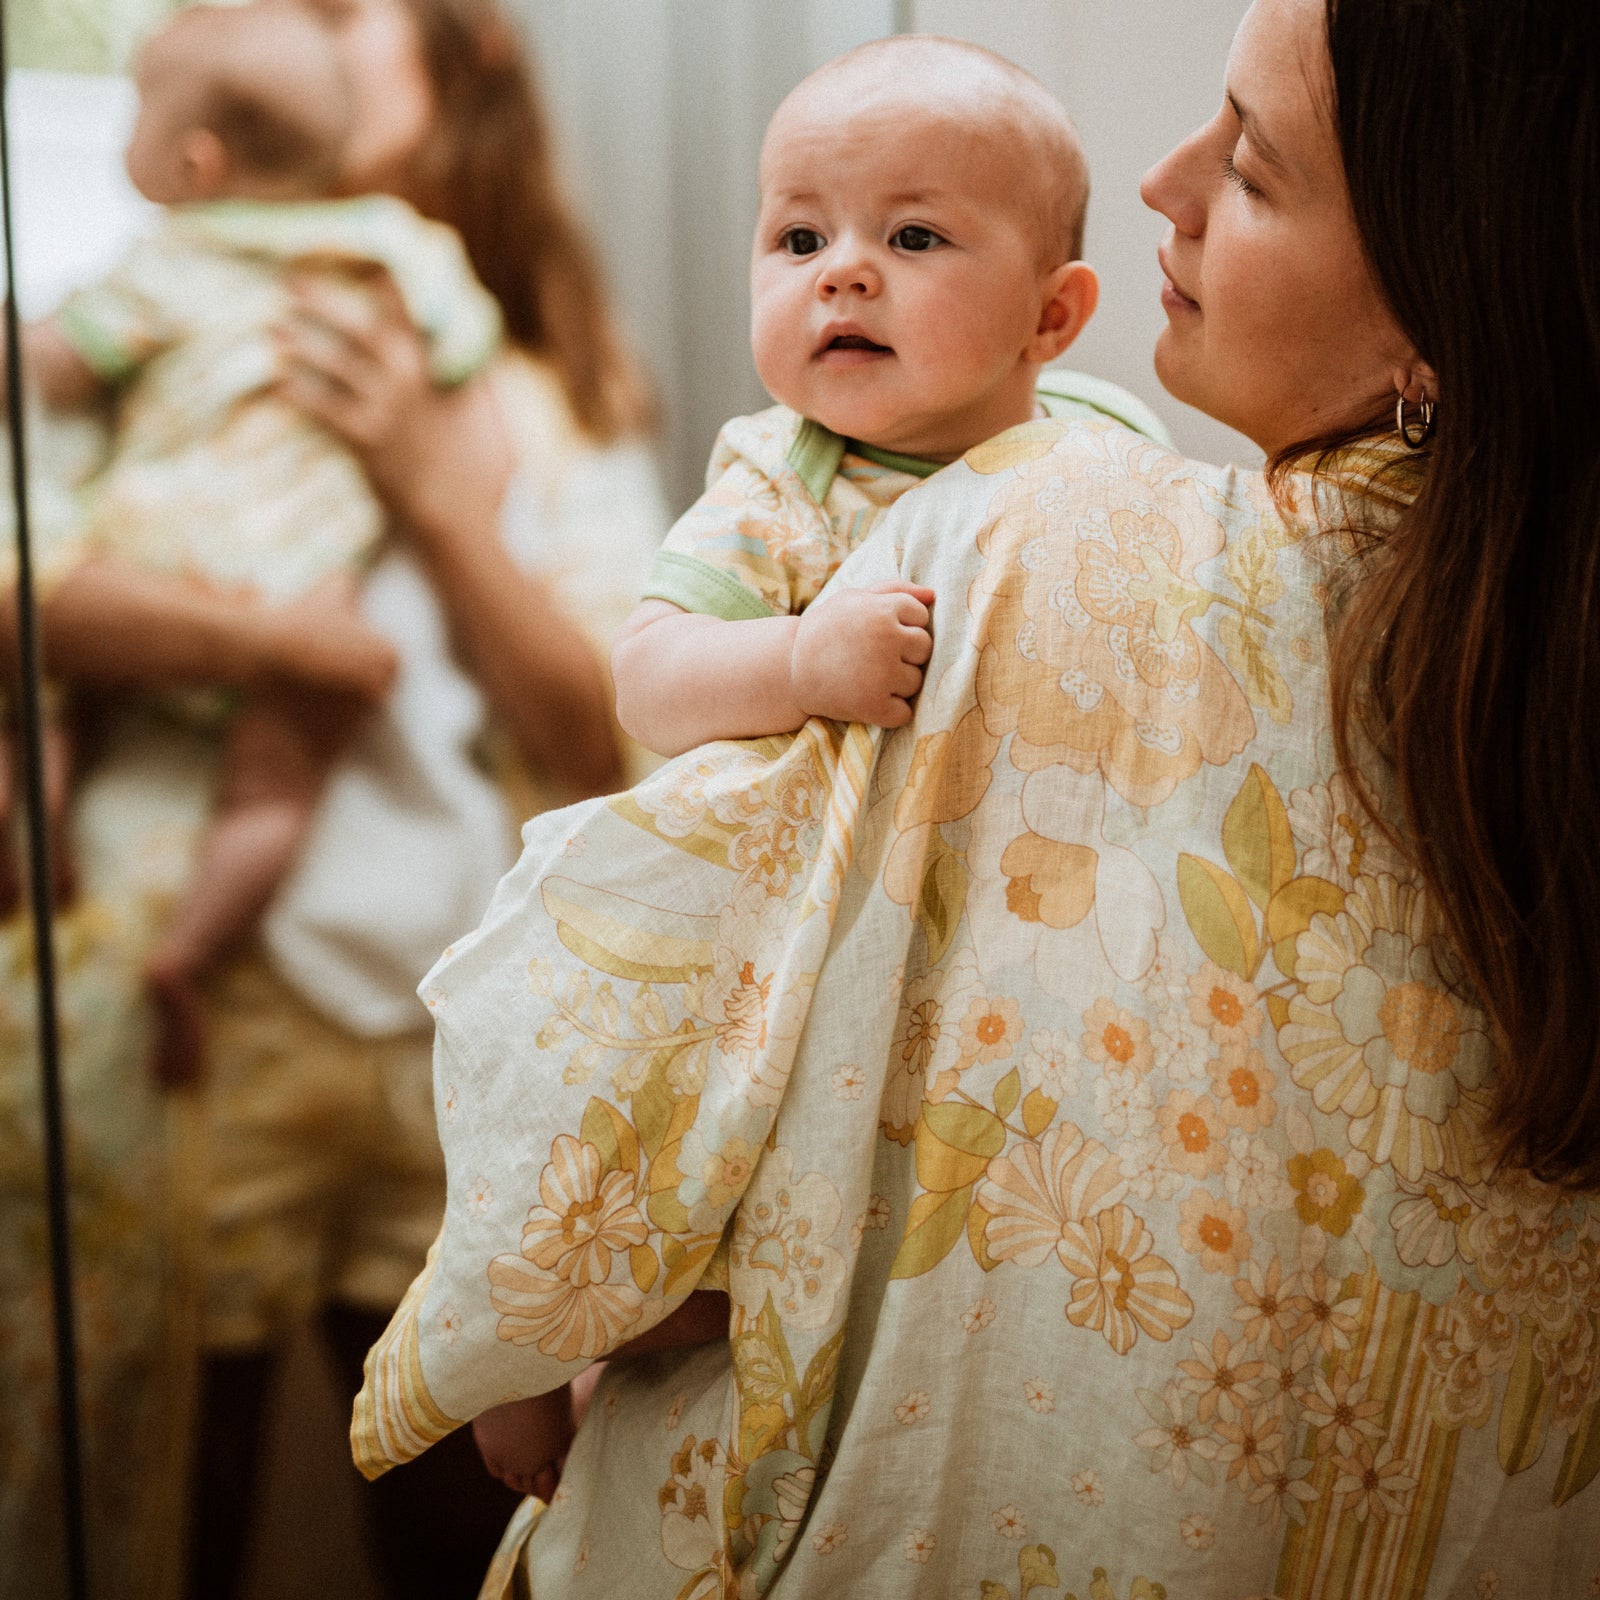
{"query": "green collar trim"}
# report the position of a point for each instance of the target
(817, 451)
(917, 466)
(815, 456)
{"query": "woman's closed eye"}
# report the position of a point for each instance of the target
(915, 239)
(801, 241)
(1236, 177)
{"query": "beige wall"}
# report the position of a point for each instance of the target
(1136, 75)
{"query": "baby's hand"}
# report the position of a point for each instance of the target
(524, 1442)
(858, 657)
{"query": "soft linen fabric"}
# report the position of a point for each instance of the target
(326, 1183)
(1071, 1091)
(210, 472)
(787, 500)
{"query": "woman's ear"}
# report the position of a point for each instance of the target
(1415, 380)
(1071, 292)
(203, 162)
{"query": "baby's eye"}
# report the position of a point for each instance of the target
(802, 241)
(915, 239)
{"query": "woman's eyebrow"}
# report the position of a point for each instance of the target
(1262, 145)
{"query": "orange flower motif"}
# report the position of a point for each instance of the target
(1117, 1038)
(1193, 1133)
(585, 1217)
(1326, 1196)
(1226, 1005)
(1215, 1231)
(989, 1030)
(1243, 1087)
(1122, 1286)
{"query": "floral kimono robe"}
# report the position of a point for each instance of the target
(1069, 1092)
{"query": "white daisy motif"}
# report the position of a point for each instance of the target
(448, 1105)
(1488, 1584)
(848, 1082)
(1125, 1104)
(449, 1325)
(878, 1211)
(1051, 1062)
(576, 845)
(828, 1539)
(562, 1495)
(480, 1197)
(675, 1412)
(919, 1545)
(1009, 1523)
(581, 1560)
(1198, 1532)
(977, 1316)
(1039, 1395)
(913, 1408)
(1086, 1485)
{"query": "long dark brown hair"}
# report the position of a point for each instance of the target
(1469, 650)
(488, 169)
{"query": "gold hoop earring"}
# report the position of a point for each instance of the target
(1415, 434)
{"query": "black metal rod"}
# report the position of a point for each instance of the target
(40, 885)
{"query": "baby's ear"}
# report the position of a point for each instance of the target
(1069, 295)
(204, 161)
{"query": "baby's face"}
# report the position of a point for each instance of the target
(167, 104)
(894, 286)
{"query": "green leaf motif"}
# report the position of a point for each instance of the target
(612, 1135)
(935, 1222)
(1037, 1110)
(1219, 915)
(1257, 838)
(1525, 1411)
(1007, 1092)
(942, 897)
(1580, 1463)
(758, 1369)
(1290, 913)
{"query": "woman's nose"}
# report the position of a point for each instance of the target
(1172, 186)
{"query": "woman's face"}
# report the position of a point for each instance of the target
(394, 98)
(1274, 323)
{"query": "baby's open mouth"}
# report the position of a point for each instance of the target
(856, 341)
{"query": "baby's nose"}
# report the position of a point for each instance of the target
(855, 276)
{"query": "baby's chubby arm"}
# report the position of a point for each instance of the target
(854, 656)
(63, 379)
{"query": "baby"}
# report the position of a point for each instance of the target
(243, 117)
(915, 266)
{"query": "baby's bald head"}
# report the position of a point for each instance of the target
(1033, 147)
(265, 79)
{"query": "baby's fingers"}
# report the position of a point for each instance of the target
(903, 680)
(916, 645)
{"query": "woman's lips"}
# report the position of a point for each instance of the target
(1173, 299)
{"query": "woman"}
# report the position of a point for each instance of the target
(526, 503)
(1107, 1101)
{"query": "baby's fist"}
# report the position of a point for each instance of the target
(858, 657)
